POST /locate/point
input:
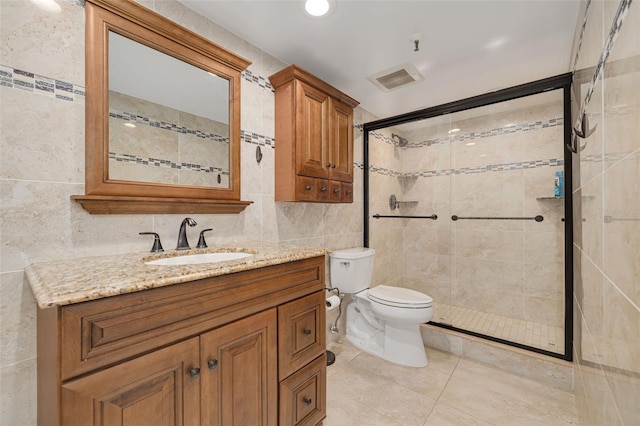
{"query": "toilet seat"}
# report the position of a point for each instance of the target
(399, 297)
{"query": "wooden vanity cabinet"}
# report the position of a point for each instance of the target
(314, 138)
(240, 349)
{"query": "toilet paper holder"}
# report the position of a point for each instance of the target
(334, 327)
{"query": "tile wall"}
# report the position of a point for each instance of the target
(42, 165)
(606, 62)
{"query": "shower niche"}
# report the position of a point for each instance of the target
(472, 219)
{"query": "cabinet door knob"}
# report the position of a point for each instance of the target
(194, 372)
(323, 189)
(308, 187)
(328, 164)
(307, 401)
(212, 363)
(333, 166)
(335, 191)
(307, 332)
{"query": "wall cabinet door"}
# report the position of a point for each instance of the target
(340, 141)
(311, 123)
(158, 389)
(239, 372)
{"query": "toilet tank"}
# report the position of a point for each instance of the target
(351, 269)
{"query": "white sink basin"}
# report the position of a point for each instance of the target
(194, 259)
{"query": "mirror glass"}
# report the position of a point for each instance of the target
(168, 119)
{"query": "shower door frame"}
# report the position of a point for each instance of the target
(562, 81)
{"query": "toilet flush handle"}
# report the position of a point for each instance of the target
(345, 265)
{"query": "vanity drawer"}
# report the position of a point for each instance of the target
(346, 195)
(302, 395)
(301, 332)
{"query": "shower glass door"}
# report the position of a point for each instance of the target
(468, 208)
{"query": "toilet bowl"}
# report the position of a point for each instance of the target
(383, 320)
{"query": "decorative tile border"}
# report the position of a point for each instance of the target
(525, 127)
(45, 86)
(614, 31)
(520, 165)
(259, 80)
(151, 122)
(158, 162)
(256, 139)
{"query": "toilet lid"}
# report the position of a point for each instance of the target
(400, 297)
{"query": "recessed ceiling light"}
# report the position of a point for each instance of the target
(316, 7)
(454, 130)
(129, 124)
(48, 5)
(496, 43)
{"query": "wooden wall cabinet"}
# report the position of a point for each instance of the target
(241, 349)
(314, 139)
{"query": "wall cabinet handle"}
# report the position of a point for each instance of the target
(212, 363)
(307, 401)
(307, 332)
(194, 372)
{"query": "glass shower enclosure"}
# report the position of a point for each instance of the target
(465, 202)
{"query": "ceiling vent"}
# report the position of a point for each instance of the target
(396, 77)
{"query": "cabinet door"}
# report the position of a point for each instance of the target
(158, 389)
(340, 141)
(311, 124)
(239, 373)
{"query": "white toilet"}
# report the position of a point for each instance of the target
(383, 321)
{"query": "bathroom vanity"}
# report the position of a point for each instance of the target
(233, 343)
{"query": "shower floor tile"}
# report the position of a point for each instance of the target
(537, 335)
(366, 390)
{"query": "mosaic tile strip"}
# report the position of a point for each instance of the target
(259, 80)
(520, 165)
(45, 86)
(139, 119)
(465, 137)
(256, 139)
(158, 162)
(614, 31)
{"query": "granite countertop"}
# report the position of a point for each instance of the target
(58, 283)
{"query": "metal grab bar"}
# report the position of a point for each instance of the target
(379, 216)
(538, 218)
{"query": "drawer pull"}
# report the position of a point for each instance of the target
(308, 187)
(349, 191)
(307, 401)
(335, 191)
(323, 189)
(333, 166)
(328, 164)
(212, 363)
(307, 332)
(194, 372)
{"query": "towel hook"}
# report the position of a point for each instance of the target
(583, 133)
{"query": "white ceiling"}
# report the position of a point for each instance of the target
(468, 47)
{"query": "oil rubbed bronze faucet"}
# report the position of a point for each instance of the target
(183, 243)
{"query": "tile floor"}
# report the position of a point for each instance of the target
(363, 390)
(537, 335)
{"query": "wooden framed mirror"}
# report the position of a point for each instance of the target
(162, 116)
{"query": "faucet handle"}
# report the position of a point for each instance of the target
(157, 245)
(201, 242)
